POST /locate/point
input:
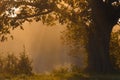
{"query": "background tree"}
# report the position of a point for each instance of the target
(10, 65)
(24, 64)
(97, 16)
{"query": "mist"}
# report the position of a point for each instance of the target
(43, 44)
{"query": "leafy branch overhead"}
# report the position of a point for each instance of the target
(14, 13)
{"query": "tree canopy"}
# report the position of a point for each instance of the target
(14, 13)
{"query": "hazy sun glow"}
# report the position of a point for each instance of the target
(43, 43)
(13, 12)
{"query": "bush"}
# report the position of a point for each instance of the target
(24, 64)
(12, 65)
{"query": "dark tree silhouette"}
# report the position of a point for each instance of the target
(105, 16)
(97, 16)
(24, 64)
(10, 64)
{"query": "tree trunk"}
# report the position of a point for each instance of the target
(98, 57)
(99, 37)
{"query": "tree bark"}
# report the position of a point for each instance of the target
(98, 57)
(99, 37)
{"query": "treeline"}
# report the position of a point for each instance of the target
(15, 65)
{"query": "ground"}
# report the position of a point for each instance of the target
(61, 76)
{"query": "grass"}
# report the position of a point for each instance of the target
(61, 76)
(50, 76)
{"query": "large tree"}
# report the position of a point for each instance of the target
(97, 16)
(105, 15)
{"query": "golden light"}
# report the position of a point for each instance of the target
(118, 21)
(13, 12)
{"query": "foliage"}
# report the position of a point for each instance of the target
(115, 48)
(68, 68)
(14, 13)
(24, 64)
(65, 72)
(75, 14)
(12, 65)
(61, 73)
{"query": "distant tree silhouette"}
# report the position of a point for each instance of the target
(15, 65)
(10, 64)
(24, 64)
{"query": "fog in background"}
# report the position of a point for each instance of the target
(43, 44)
